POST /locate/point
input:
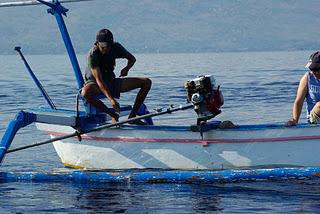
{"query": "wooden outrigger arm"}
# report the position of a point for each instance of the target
(24, 119)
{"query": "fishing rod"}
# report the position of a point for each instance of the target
(34, 2)
(98, 128)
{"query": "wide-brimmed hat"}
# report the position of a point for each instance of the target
(314, 61)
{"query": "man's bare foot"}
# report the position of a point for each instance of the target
(114, 120)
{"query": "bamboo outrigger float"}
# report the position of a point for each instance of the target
(89, 141)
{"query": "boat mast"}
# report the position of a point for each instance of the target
(58, 10)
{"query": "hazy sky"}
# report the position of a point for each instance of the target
(168, 25)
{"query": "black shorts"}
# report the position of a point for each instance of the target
(114, 87)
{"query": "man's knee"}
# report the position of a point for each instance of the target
(86, 92)
(317, 106)
(147, 84)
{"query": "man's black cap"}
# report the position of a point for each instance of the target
(104, 35)
(314, 61)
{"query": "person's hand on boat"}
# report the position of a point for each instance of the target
(124, 72)
(114, 115)
(115, 119)
(291, 123)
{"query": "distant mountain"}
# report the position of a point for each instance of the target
(168, 25)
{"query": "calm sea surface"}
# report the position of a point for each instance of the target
(258, 87)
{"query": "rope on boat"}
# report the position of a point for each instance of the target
(98, 128)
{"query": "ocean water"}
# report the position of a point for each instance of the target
(258, 88)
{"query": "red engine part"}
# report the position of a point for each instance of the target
(216, 100)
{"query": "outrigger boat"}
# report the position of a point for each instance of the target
(88, 140)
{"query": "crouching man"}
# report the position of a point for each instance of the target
(100, 77)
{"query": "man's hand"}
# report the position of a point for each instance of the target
(291, 123)
(124, 72)
(113, 112)
(114, 115)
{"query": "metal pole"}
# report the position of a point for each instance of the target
(57, 10)
(35, 79)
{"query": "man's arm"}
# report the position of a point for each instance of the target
(104, 88)
(131, 60)
(298, 103)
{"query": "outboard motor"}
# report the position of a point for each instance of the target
(205, 97)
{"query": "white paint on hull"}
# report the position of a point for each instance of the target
(173, 159)
(93, 157)
(235, 159)
(125, 148)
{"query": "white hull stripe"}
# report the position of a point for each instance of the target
(173, 159)
(235, 159)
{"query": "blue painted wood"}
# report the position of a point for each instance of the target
(72, 112)
(154, 176)
(22, 119)
(35, 79)
(57, 10)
